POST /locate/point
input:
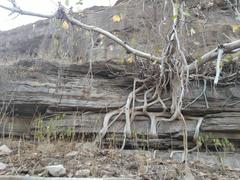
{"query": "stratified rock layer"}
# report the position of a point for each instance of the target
(45, 74)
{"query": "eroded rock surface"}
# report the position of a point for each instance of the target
(45, 72)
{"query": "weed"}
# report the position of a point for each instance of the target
(48, 131)
(219, 143)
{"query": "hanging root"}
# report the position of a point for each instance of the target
(130, 111)
(195, 138)
(117, 113)
(153, 125)
(170, 76)
(107, 124)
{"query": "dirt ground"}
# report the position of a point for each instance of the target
(29, 158)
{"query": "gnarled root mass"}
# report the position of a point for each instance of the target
(170, 75)
(152, 91)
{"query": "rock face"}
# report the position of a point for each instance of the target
(45, 79)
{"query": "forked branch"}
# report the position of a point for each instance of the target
(61, 13)
(212, 55)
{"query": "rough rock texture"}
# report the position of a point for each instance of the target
(45, 74)
(56, 170)
(4, 150)
(44, 89)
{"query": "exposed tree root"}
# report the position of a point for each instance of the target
(171, 72)
(195, 138)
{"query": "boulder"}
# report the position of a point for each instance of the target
(3, 166)
(56, 170)
(4, 150)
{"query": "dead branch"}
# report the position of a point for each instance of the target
(16, 9)
(231, 47)
(62, 14)
(228, 47)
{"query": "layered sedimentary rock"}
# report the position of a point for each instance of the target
(45, 74)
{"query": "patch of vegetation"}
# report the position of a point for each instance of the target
(218, 143)
(48, 131)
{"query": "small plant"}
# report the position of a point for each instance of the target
(51, 131)
(113, 140)
(70, 133)
(47, 131)
(39, 133)
(222, 143)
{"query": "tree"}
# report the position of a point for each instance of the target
(171, 71)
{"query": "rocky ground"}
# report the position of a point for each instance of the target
(72, 159)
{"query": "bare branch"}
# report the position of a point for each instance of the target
(89, 28)
(228, 47)
(114, 38)
(22, 12)
(212, 55)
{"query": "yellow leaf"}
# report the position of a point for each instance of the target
(158, 50)
(174, 18)
(116, 18)
(130, 60)
(235, 27)
(65, 25)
